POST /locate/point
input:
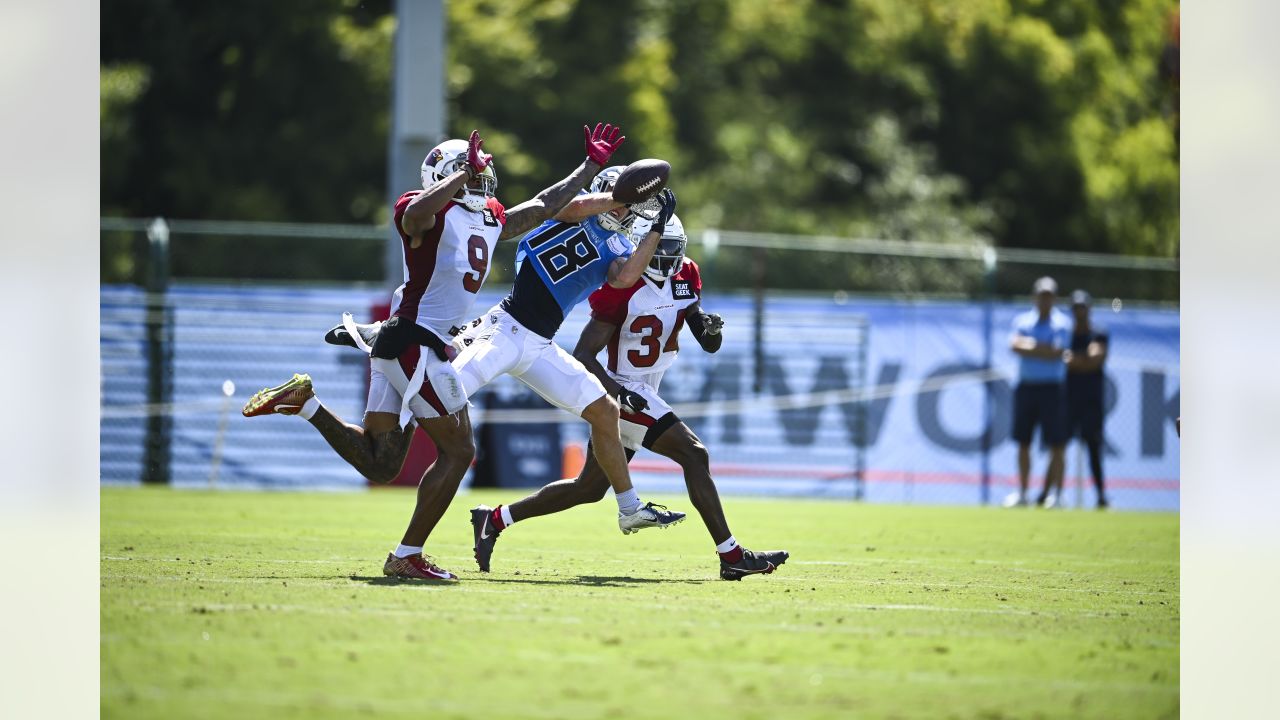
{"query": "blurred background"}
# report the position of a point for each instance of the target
(871, 189)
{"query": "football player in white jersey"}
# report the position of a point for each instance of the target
(448, 231)
(639, 326)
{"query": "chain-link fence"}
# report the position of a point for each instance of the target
(879, 370)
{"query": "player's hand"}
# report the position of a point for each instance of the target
(602, 142)
(477, 160)
(666, 201)
(632, 402)
(712, 324)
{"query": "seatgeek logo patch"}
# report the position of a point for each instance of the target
(680, 290)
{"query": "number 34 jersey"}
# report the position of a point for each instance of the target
(648, 317)
(444, 273)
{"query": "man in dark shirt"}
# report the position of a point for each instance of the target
(1085, 386)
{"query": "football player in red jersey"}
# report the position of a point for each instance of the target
(448, 231)
(640, 327)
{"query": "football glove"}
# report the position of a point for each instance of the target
(667, 201)
(477, 160)
(602, 143)
(705, 324)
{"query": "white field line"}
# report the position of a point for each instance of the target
(537, 614)
(429, 705)
(538, 604)
(910, 582)
(850, 675)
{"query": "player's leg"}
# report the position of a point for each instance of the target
(676, 441)
(376, 451)
(1023, 428)
(488, 523)
(564, 382)
(673, 439)
(440, 409)
(1093, 438)
(1053, 428)
(455, 447)
(590, 486)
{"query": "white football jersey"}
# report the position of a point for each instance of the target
(649, 317)
(444, 273)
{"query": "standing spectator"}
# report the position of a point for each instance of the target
(1040, 338)
(1085, 384)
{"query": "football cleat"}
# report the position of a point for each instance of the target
(338, 334)
(284, 399)
(1015, 499)
(753, 563)
(485, 534)
(418, 567)
(649, 516)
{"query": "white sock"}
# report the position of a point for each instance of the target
(628, 502)
(727, 545)
(404, 551)
(309, 408)
(507, 520)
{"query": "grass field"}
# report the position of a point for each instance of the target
(245, 605)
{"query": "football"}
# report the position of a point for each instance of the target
(641, 180)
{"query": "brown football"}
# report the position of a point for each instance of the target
(641, 180)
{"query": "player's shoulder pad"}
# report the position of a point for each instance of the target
(403, 201)
(691, 273)
(609, 304)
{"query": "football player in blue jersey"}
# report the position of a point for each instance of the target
(559, 264)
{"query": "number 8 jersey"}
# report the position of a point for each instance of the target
(648, 317)
(444, 273)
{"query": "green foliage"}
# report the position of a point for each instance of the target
(244, 604)
(1033, 123)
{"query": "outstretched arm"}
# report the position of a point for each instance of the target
(531, 213)
(600, 145)
(625, 272)
(420, 215)
(585, 206)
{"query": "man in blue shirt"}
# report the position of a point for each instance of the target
(1041, 339)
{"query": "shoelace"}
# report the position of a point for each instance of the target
(655, 507)
(428, 562)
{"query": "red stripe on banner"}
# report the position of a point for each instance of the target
(929, 478)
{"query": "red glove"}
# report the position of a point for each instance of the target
(476, 159)
(602, 142)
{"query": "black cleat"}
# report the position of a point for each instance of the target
(338, 335)
(485, 534)
(753, 563)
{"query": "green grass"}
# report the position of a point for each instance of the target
(241, 605)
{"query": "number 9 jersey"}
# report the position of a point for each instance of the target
(648, 317)
(444, 273)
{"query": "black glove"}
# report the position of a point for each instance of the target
(704, 324)
(632, 402)
(667, 201)
(397, 334)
